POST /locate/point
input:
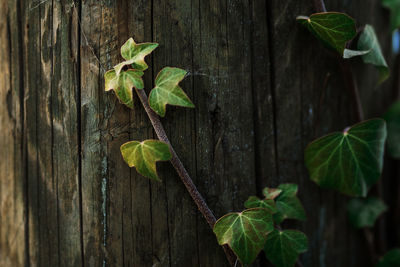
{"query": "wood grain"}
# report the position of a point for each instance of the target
(263, 88)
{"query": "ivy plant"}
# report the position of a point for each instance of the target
(351, 161)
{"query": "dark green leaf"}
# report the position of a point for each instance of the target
(167, 91)
(394, 6)
(332, 28)
(349, 161)
(255, 202)
(282, 248)
(143, 156)
(369, 41)
(134, 55)
(364, 212)
(123, 83)
(391, 259)
(392, 117)
(244, 232)
(288, 204)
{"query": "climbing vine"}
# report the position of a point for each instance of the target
(349, 161)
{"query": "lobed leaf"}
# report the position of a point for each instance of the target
(271, 193)
(282, 248)
(255, 202)
(123, 83)
(369, 41)
(245, 232)
(134, 55)
(144, 155)
(394, 6)
(288, 204)
(391, 259)
(334, 29)
(364, 212)
(167, 91)
(392, 118)
(349, 161)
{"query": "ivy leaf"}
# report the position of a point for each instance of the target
(349, 161)
(271, 193)
(391, 259)
(123, 83)
(288, 204)
(143, 156)
(255, 202)
(347, 53)
(369, 41)
(364, 212)
(334, 29)
(245, 232)
(167, 91)
(134, 55)
(392, 117)
(282, 248)
(394, 6)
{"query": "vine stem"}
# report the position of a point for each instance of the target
(182, 172)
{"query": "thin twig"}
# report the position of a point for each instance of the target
(180, 169)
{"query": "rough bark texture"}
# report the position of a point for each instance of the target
(263, 88)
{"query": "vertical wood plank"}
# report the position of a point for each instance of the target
(13, 250)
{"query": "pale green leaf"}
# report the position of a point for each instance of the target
(392, 117)
(167, 91)
(347, 53)
(271, 193)
(244, 232)
(288, 204)
(364, 212)
(134, 55)
(332, 28)
(369, 41)
(123, 83)
(255, 202)
(144, 155)
(349, 161)
(282, 248)
(391, 259)
(394, 6)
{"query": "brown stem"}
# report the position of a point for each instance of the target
(319, 5)
(369, 238)
(180, 169)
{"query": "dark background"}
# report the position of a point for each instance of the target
(263, 88)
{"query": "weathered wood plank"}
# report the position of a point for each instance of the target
(12, 185)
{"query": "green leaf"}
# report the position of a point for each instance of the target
(134, 55)
(349, 161)
(392, 117)
(288, 204)
(244, 232)
(271, 193)
(354, 53)
(332, 28)
(123, 83)
(143, 156)
(282, 248)
(255, 202)
(394, 6)
(364, 212)
(167, 91)
(369, 41)
(391, 259)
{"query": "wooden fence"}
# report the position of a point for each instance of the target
(263, 88)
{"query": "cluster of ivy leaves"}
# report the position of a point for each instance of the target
(258, 227)
(126, 76)
(351, 161)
